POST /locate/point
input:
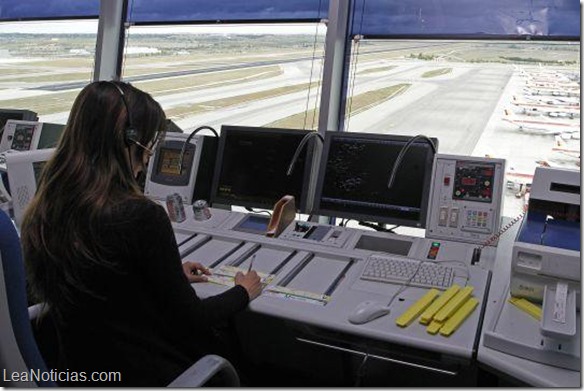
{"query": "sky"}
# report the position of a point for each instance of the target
(90, 27)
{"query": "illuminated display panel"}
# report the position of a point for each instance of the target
(474, 182)
(168, 161)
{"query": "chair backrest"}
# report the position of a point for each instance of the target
(14, 309)
(209, 368)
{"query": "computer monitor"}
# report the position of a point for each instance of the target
(24, 170)
(252, 164)
(22, 115)
(354, 173)
(50, 135)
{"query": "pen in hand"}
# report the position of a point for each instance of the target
(251, 263)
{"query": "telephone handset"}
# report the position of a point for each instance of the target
(466, 199)
(476, 252)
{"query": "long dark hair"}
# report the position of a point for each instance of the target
(90, 172)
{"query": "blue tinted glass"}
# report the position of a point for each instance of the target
(48, 9)
(473, 18)
(225, 10)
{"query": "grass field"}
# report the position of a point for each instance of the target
(50, 59)
(437, 72)
(187, 110)
(215, 79)
(377, 69)
(358, 103)
(61, 101)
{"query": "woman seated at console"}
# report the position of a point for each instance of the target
(104, 257)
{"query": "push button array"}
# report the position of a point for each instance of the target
(476, 218)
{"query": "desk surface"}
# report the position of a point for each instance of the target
(351, 291)
(530, 372)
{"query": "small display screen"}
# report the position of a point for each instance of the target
(168, 161)
(255, 224)
(23, 137)
(319, 233)
(50, 135)
(473, 181)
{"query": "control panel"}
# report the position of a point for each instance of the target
(20, 135)
(188, 175)
(466, 198)
(29, 135)
(309, 232)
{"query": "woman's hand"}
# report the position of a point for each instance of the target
(251, 282)
(195, 272)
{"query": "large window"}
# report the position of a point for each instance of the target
(255, 75)
(513, 100)
(43, 65)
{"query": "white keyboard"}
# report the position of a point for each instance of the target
(396, 270)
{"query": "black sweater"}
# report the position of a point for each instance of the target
(142, 317)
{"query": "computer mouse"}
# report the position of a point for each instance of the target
(367, 311)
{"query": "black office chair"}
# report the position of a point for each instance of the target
(18, 348)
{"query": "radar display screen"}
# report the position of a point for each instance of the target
(474, 181)
(252, 164)
(354, 172)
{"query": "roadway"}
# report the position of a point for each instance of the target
(220, 68)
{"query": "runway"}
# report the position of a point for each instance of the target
(463, 107)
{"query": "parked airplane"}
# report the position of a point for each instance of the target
(547, 102)
(552, 92)
(555, 85)
(545, 111)
(565, 130)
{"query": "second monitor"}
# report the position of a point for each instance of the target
(251, 167)
(354, 174)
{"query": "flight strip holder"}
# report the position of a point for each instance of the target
(315, 278)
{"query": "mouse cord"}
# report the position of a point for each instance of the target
(405, 285)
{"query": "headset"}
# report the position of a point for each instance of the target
(130, 133)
